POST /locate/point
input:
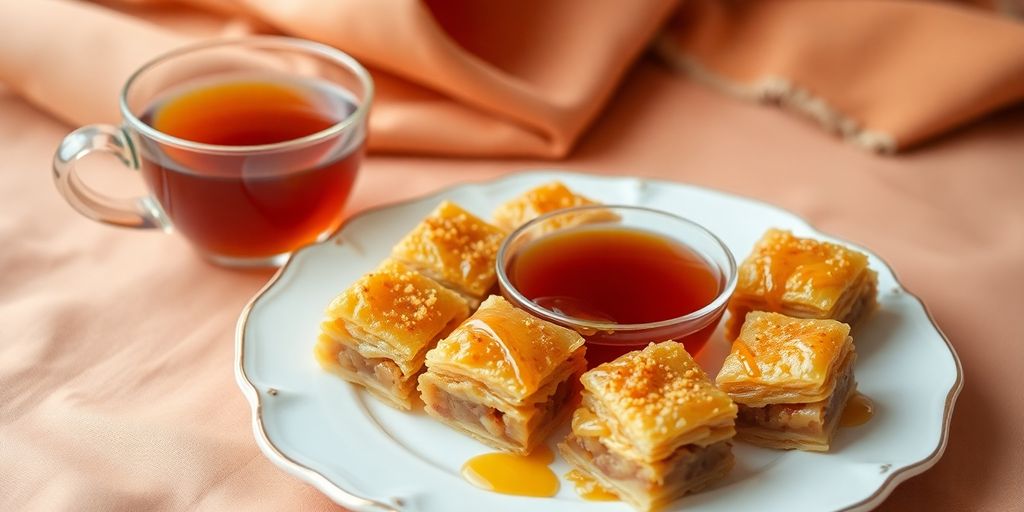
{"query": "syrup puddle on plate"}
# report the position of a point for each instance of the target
(859, 409)
(519, 475)
(588, 488)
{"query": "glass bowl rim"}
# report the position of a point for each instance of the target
(533, 308)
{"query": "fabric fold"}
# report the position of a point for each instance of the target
(885, 75)
(526, 78)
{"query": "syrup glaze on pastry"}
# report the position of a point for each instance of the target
(791, 378)
(455, 248)
(547, 198)
(802, 278)
(651, 427)
(503, 376)
(378, 330)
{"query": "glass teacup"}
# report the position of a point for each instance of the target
(248, 147)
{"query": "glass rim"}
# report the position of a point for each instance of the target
(719, 301)
(279, 42)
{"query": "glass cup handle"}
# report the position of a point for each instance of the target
(139, 212)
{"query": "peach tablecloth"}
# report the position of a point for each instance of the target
(116, 349)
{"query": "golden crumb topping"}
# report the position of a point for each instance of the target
(658, 393)
(535, 202)
(777, 350)
(398, 305)
(786, 269)
(454, 247)
(506, 349)
(553, 196)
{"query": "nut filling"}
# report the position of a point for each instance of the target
(492, 420)
(381, 370)
(809, 418)
(686, 463)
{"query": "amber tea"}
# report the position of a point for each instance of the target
(263, 201)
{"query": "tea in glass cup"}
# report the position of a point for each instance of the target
(249, 147)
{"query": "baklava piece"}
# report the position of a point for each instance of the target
(547, 198)
(802, 278)
(378, 331)
(652, 427)
(504, 377)
(454, 248)
(791, 378)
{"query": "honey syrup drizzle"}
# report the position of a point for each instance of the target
(586, 424)
(588, 488)
(785, 257)
(518, 475)
(858, 411)
(478, 324)
(748, 359)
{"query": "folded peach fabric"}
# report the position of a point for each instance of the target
(501, 78)
(883, 74)
(526, 77)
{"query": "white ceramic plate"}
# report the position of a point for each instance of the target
(366, 456)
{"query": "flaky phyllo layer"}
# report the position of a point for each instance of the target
(655, 400)
(378, 331)
(547, 198)
(454, 248)
(802, 426)
(651, 426)
(791, 378)
(778, 359)
(802, 278)
(503, 376)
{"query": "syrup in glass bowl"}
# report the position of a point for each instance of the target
(638, 276)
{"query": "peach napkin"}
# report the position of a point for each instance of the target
(524, 78)
(883, 74)
(457, 77)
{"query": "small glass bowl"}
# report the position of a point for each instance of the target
(608, 340)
